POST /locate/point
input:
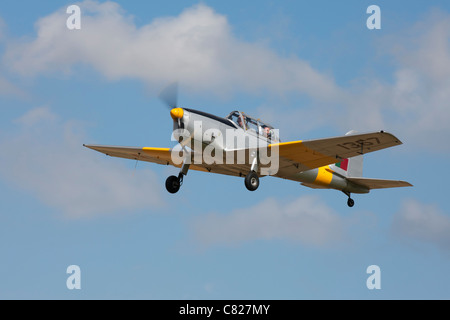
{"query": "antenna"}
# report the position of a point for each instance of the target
(137, 160)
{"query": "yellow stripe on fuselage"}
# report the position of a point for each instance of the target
(324, 176)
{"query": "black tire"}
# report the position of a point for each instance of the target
(350, 202)
(173, 184)
(252, 181)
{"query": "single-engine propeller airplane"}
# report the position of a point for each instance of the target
(208, 143)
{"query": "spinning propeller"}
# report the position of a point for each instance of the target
(169, 96)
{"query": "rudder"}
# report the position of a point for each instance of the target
(352, 167)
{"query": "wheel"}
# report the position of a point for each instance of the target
(350, 202)
(252, 181)
(173, 184)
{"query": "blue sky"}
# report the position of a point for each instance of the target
(312, 69)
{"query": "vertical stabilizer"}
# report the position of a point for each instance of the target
(352, 167)
(355, 166)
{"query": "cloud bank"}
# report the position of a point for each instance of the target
(415, 102)
(46, 158)
(422, 223)
(305, 220)
(196, 47)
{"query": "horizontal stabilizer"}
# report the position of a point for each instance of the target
(379, 183)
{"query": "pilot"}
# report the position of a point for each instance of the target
(267, 133)
(240, 123)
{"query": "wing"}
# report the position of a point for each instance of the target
(379, 184)
(164, 156)
(155, 155)
(299, 156)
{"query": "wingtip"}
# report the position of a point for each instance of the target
(397, 140)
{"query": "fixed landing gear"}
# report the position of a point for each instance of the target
(350, 201)
(174, 183)
(252, 181)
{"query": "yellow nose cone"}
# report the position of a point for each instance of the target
(176, 113)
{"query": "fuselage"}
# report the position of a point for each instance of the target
(210, 135)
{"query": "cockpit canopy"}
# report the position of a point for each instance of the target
(249, 124)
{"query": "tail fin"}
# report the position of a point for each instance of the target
(352, 167)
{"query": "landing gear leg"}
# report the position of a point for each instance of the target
(174, 183)
(350, 201)
(252, 179)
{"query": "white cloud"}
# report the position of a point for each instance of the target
(416, 103)
(413, 104)
(421, 95)
(305, 220)
(36, 116)
(422, 223)
(7, 88)
(197, 48)
(47, 159)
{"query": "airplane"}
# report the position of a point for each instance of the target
(208, 143)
